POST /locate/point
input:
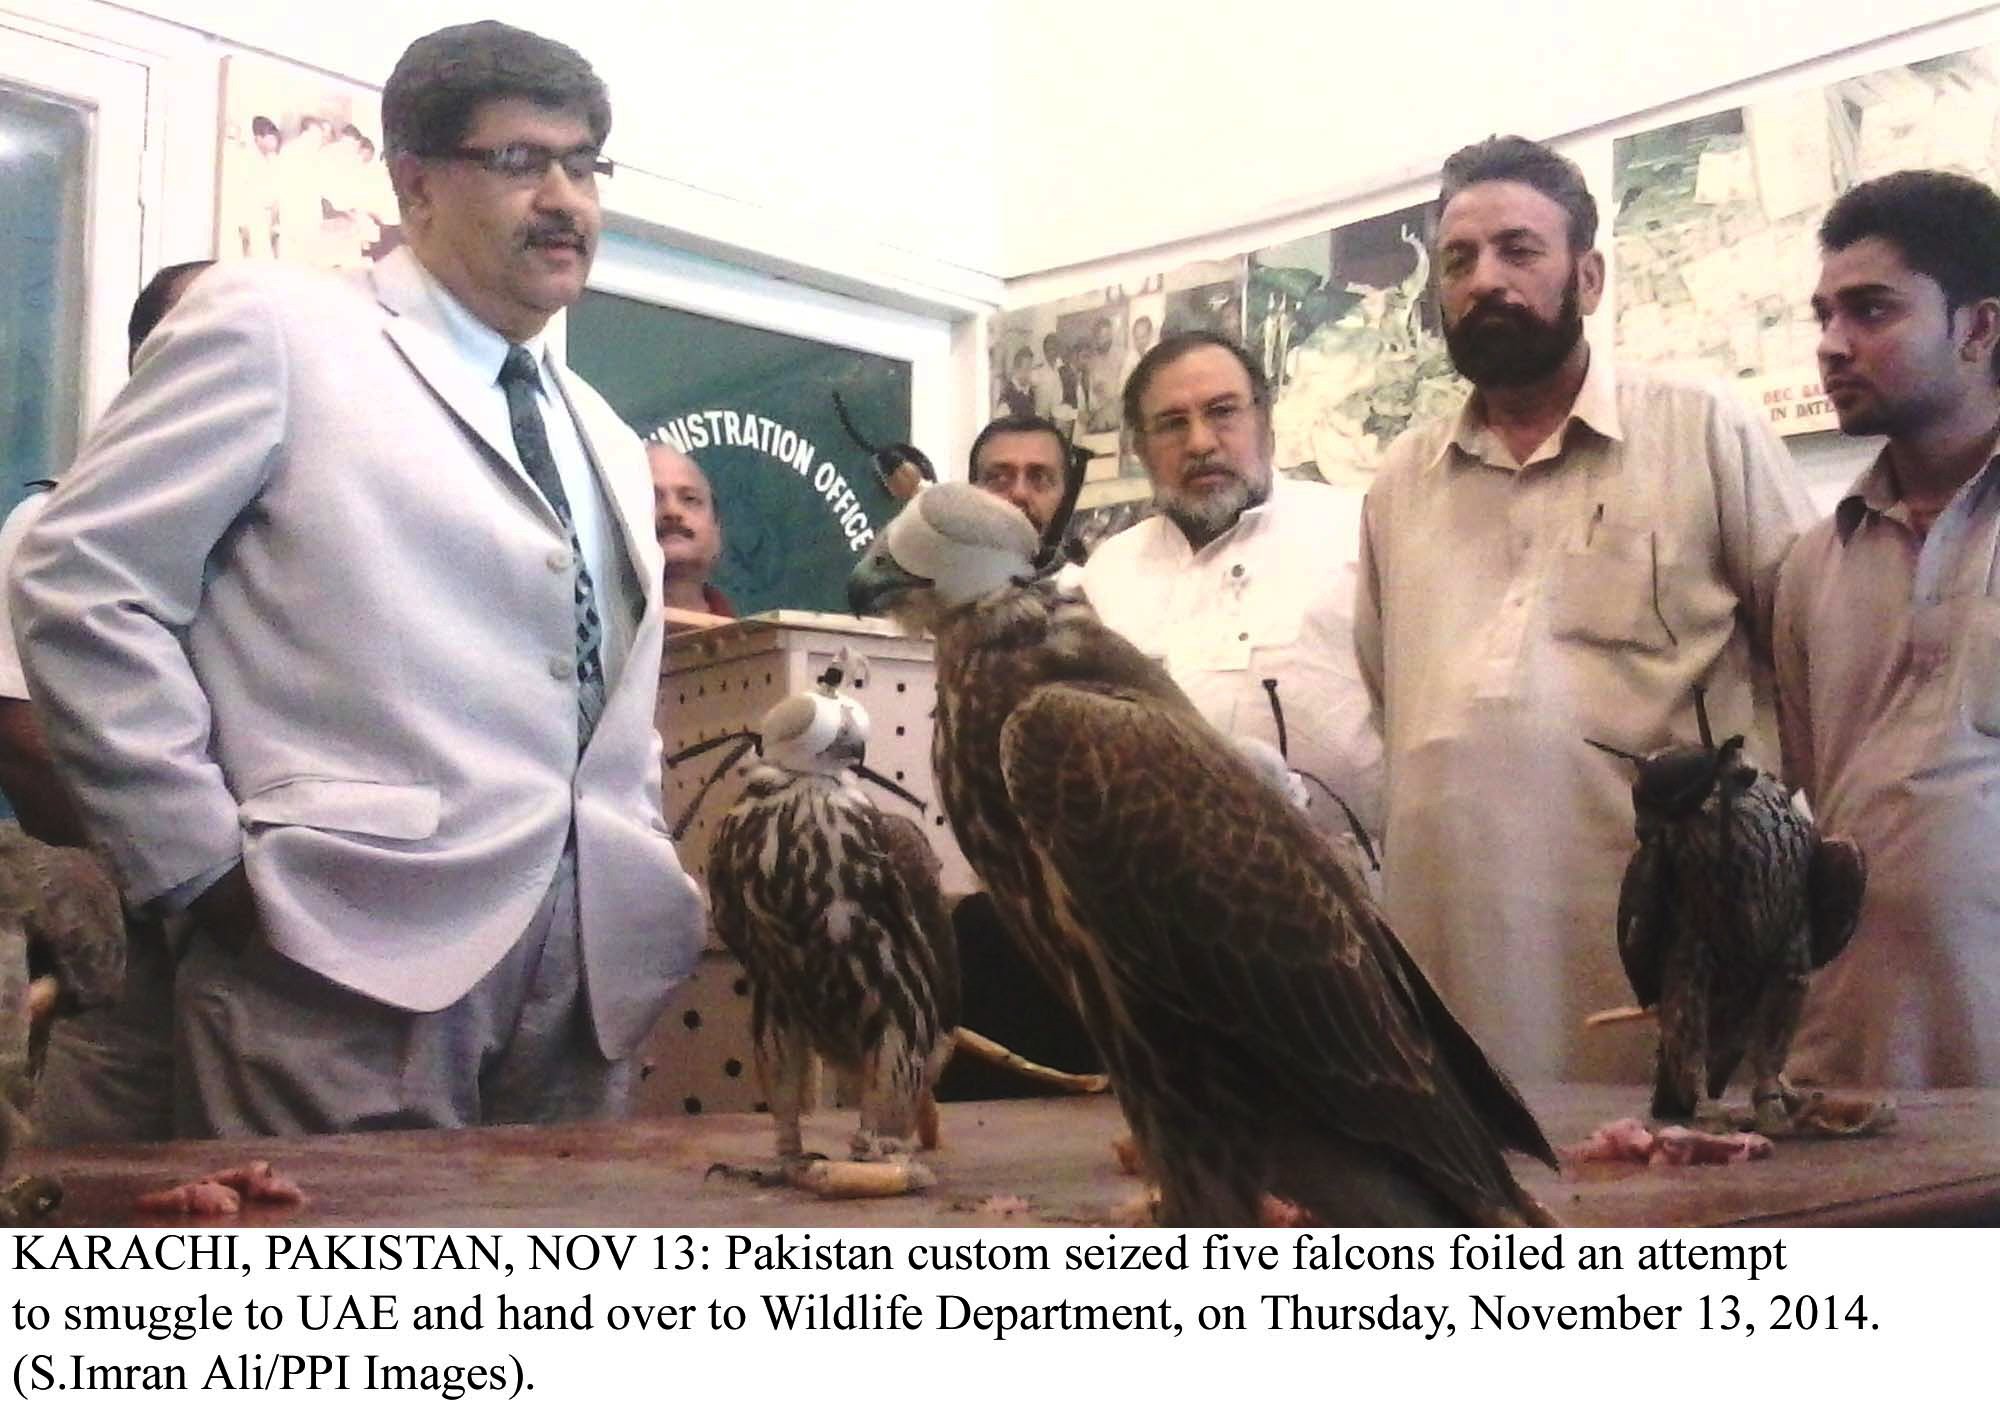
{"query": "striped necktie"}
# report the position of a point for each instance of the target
(519, 378)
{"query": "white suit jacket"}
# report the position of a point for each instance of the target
(297, 601)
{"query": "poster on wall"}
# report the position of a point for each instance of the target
(301, 176)
(1068, 360)
(1347, 326)
(798, 499)
(1716, 233)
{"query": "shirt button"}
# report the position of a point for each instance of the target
(1237, 570)
(1243, 635)
(559, 668)
(558, 561)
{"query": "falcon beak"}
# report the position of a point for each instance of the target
(879, 582)
(1614, 752)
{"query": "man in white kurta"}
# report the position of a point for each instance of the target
(1256, 602)
(1569, 559)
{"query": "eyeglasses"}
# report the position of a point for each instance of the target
(528, 163)
(1221, 418)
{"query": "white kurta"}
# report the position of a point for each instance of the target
(1507, 613)
(1270, 599)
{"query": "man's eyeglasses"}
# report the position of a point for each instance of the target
(1221, 417)
(528, 163)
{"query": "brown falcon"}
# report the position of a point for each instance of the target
(1731, 901)
(833, 907)
(1266, 1033)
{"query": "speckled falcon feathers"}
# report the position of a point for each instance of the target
(835, 912)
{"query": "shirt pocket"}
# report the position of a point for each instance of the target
(1607, 593)
(1979, 665)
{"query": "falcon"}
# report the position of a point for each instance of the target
(1270, 1040)
(1730, 903)
(834, 908)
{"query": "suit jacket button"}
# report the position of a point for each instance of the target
(560, 668)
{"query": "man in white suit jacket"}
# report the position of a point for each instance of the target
(304, 633)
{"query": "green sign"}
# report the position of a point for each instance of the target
(799, 499)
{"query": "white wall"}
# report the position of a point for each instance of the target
(854, 137)
(1126, 124)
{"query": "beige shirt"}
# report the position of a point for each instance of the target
(1888, 659)
(1506, 613)
(1271, 598)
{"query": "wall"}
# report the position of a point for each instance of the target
(1127, 124)
(1828, 460)
(831, 133)
(908, 155)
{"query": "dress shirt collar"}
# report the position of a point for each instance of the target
(1596, 407)
(1875, 492)
(482, 348)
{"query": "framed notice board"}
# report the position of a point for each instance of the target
(798, 498)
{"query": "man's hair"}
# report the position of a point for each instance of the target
(1023, 352)
(153, 301)
(1946, 227)
(1177, 345)
(1532, 164)
(1015, 425)
(442, 78)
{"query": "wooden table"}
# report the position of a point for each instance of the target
(1940, 1165)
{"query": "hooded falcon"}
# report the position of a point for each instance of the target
(835, 911)
(1266, 1033)
(1731, 901)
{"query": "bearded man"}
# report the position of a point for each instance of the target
(1242, 585)
(1571, 557)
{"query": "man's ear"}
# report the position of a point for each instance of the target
(411, 176)
(1981, 331)
(1589, 280)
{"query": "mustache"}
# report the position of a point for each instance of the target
(675, 529)
(556, 231)
(1496, 314)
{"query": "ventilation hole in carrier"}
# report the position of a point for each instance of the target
(732, 1068)
(741, 987)
(691, 1019)
(692, 1104)
(900, 730)
(901, 687)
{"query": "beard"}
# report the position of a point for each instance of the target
(1206, 515)
(1504, 346)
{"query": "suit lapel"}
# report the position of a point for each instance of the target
(631, 510)
(399, 288)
